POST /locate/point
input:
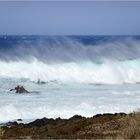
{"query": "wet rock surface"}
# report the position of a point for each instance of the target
(20, 89)
(100, 126)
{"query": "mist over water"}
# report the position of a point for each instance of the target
(56, 49)
(88, 59)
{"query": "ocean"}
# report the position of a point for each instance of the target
(84, 75)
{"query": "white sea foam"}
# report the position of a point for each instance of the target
(109, 72)
(89, 79)
(58, 100)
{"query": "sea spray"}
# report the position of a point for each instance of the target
(109, 72)
(57, 49)
(84, 75)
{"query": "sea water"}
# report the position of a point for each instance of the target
(84, 75)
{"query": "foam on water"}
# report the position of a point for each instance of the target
(109, 72)
(54, 100)
(84, 75)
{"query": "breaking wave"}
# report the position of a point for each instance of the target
(89, 59)
(109, 72)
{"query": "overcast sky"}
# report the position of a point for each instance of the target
(70, 18)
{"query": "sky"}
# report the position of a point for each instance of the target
(69, 17)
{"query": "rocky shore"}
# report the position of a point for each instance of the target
(101, 126)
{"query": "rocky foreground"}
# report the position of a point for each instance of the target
(106, 126)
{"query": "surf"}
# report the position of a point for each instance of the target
(109, 72)
(81, 59)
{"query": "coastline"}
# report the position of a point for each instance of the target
(100, 126)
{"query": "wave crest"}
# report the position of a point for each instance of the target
(109, 72)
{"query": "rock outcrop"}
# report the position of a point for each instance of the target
(97, 127)
(20, 89)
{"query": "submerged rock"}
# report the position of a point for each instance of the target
(20, 89)
(40, 82)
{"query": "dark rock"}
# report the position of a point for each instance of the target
(76, 117)
(19, 119)
(40, 82)
(20, 89)
(41, 122)
(97, 115)
(101, 126)
(9, 124)
(121, 114)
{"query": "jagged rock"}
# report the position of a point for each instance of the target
(101, 126)
(20, 89)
